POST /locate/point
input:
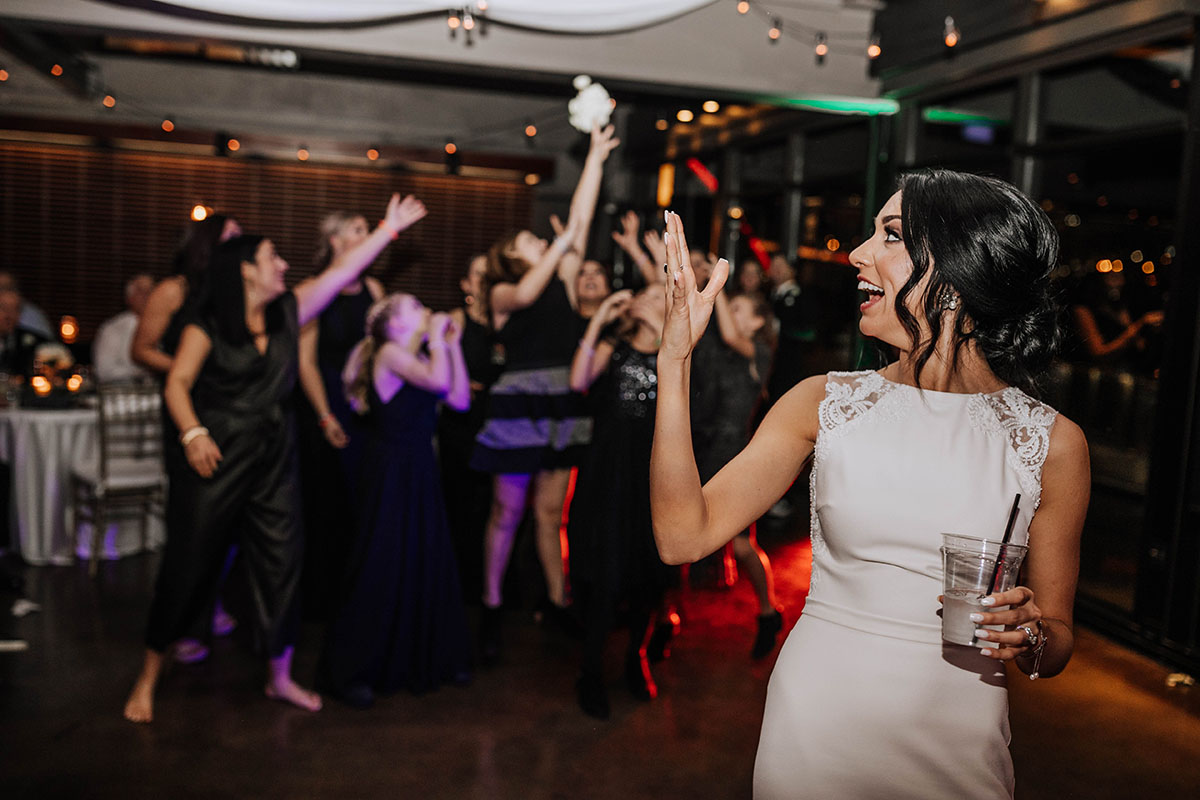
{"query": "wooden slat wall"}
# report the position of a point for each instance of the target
(76, 223)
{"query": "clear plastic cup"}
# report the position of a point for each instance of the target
(968, 570)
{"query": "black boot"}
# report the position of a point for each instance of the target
(592, 696)
(769, 627)
(490, 641)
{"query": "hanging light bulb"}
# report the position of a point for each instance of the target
(530, 129)
(168, 125)
(776, 30)
(743, 6)
(3, 75)
(373, 154)
(822, 49)
(56, 70)
(873, 48)
(453, 22)
(302, 153)
(951, 35)
(468, 20)
(481, 6)
(109, 101)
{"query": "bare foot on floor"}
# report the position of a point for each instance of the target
(140, 705)
(289, 691)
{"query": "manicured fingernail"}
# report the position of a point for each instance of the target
(977, 618)
(986, 651)
(981, 633)
(988, 601)
(666, 216)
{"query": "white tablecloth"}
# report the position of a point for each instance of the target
(41, 446)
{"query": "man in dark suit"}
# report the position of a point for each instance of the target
(17, 344)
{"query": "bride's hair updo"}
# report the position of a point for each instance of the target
(983, 240)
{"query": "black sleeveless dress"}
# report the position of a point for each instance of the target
(534, 421)
(327, 472)
(610, 533)
(468, 491)
(401, 623)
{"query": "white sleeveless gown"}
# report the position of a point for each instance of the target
(865, 701)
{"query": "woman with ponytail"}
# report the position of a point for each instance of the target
(401, 623)
(228, 392)
(536, 425)
(956, 277)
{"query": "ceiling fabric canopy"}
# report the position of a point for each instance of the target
(593, 16)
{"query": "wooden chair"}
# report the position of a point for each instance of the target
(127, 480)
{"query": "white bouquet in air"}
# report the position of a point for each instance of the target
(592, 107)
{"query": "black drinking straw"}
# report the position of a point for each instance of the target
(1012, 519)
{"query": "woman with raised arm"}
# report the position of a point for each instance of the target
(329, 449)
(536, 426)
(401, 624)
(957, 279)
(228, 392)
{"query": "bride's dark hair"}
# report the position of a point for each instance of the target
(983, 240)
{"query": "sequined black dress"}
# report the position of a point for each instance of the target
(611, 540)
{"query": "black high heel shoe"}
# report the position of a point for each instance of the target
(769, 627)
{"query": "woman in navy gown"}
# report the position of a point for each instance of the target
(401, 624)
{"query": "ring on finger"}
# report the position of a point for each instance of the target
(1031, 636)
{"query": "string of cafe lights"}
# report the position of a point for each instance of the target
(822, 39)
(227, 144)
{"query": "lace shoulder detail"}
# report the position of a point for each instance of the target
(1026, 424)
(849, 395)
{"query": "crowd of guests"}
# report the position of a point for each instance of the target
(301, 425)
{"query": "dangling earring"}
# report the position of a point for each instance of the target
(948, 300)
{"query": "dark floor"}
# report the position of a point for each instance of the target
(1107, 728)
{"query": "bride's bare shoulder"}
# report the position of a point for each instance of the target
(799, 408)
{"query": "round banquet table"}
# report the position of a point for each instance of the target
(41, 446)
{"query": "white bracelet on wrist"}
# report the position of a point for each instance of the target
(191, 434)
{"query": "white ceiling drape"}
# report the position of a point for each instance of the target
(559, 16)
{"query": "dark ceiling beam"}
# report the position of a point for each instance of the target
(42, 52)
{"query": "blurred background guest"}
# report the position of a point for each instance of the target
(18, 344)
(111, 350)
(329, 432)
(32, 317)
(469, 492)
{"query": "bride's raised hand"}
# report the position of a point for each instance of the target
(688, 307)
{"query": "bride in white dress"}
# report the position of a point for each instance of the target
(865, 700)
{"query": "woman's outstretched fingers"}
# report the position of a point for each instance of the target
(716, 281)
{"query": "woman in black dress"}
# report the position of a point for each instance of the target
(154, 343)
(536, 426)
(731, 369)
(330, 440)
(227, 391)
(468, 491)
(401, 624)
(614, 562)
